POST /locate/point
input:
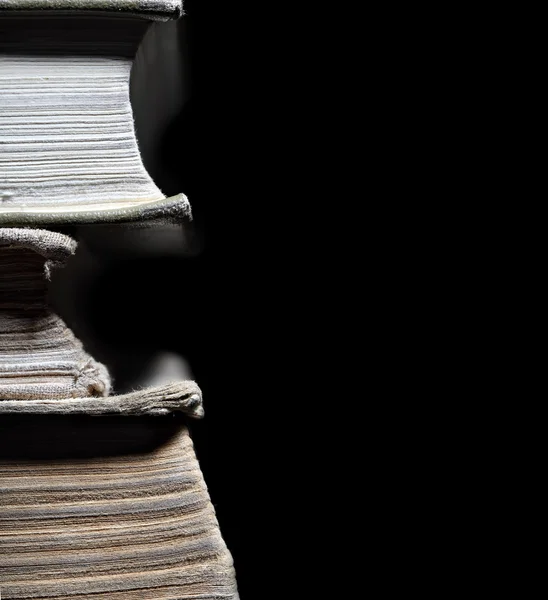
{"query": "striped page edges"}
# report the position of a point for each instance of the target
(113, 508)
(67, 139)
(40, 358)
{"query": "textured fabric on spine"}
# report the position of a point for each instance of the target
(175, 397)
(40, 358)
(149, 9)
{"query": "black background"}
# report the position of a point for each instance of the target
(201, 152)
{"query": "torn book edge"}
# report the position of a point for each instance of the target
(183, 397)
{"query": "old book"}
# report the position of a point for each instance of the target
(109, 508)
(101, 495)
(68, 150)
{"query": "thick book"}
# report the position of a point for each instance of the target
(68, 150)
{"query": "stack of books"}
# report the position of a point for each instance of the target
(101, 495)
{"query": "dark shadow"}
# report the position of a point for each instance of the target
(42, 438)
